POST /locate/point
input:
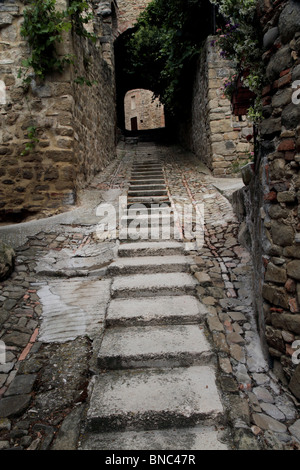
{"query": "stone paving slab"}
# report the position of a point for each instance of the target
(73, 307)
(154, 346)
(140, 399)
(197, 438)
(155, 311)
(90, 259)
(148, 285)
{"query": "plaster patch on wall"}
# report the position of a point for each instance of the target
(2, 92)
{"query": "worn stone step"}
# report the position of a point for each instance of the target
(149, 285)
(147, 167)
(154, 346)
(165, 248)
(148, 220)
(193, 438)
(154, 399)
(151, 264)
(150, 233)
(147, 192)
(155, 209)
(147, 164)
(147, 187)
(143, 181)
(147, 201)
(147, 174)
(170, 310)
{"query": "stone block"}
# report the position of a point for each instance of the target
(294, 384)
(282, 235)
(293, 269)
(275, 295)
(286, 321)
(289, 21)
(275, 274)
(7, 256)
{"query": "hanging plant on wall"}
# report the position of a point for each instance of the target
(238, 41)
(44, 27)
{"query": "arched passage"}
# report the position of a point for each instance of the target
(150, 66)
(126, 79)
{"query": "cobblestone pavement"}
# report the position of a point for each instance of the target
(51, 333)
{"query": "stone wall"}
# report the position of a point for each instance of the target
(46, 179)
(217, 137)
(128, 12)
(272, 198)
(94, 111)
(149, 113)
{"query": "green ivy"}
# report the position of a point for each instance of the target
(44, 27)
(33, 140)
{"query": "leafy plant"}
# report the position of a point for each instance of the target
(164, 47)
(33, 140)
(44, 27)
(238, 41)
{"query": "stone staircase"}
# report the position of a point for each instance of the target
(156, 386)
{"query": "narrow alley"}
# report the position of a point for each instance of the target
(126, 338)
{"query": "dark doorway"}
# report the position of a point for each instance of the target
(134, 124)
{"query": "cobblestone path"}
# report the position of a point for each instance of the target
(117, 344)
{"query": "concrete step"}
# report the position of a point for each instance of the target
(150, 265)
(149, 285)
(154, 346)
(166, 248)
(154, 399)
(193, 438)
(170, 310)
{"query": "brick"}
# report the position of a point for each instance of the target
(286, 145)
(266, 90)
(271, 196)
(285, 72)
(283, 81)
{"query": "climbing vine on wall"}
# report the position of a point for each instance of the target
(44, 27)
(238, 40)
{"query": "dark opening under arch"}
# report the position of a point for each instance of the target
(127, 78)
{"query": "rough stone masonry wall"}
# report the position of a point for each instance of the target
(128, 12)
(28, 183)
(272, 198)
(94, 111)
(217, 137)
(47, 179)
